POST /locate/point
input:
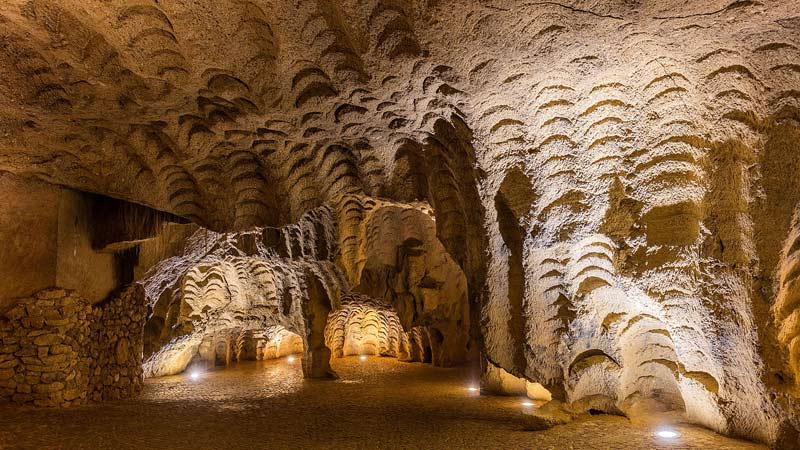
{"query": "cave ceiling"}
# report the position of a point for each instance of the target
(240, 113)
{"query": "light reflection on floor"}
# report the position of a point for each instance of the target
(379, 403)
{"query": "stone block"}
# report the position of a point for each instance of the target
(122, 350)
(52, 294)
(32, 378)
(16, 312)
(47, 339)
(31, 361)
(56, 360)
(58, 349)
(58, 322)
(7, 349)
(50, 377)
(27, 350)
(51, 314)
(35, 333)
(9, 364)
(22, 398)
(71, 394)
(48, 388)
(33, 322)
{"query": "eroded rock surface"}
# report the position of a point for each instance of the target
(600, 197)
(227, 297)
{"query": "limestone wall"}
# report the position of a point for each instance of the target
(46, 235)
(92, 273)
(58, 350)
(28, 253)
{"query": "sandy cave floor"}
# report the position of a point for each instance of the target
(379, 403)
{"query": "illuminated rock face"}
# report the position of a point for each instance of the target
(365, 326)
(224, 297)
(600, 196)
(362, 326)
(220, 286)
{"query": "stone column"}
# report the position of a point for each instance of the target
(316, 307)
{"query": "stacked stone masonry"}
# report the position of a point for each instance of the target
(58, 350)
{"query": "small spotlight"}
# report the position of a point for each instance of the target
(362, 357)
(290, 359)
(667, 434)
(195, 375)
(527, 404)
(472, 389)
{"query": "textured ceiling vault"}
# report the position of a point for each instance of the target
(616, 181)
(236, 113)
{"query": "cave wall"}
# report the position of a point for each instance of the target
(391, 251)
(78, 265)
(219, 285)
(45, 230)
(616, 180)
(28, 227)
(382, 284)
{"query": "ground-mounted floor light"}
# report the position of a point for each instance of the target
(363, 357)
(527, 403)
(194, 375)
(290, 359)
(473, 389)
(667, 434)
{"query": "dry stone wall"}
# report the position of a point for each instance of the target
(115, 346)
(58, 350)
(42, 356)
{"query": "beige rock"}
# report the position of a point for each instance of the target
(599, 196)
(547, 416)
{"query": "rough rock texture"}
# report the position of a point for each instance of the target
(114, 347)
(390, 251)
(58, 350)
(227, 297)
(225, 284)
(616, 180)
(496, 380)
(277, 342)
(548, 416)
(365, 326)
(44, 355)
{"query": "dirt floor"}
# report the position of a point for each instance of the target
(378, 403)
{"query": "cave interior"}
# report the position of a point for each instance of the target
(591, 207)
